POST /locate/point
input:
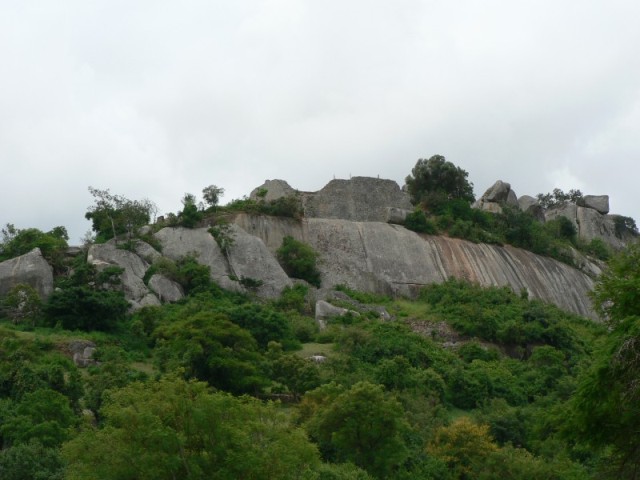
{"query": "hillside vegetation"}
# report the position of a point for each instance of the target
(460, 383)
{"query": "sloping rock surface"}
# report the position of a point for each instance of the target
(384, 258)
(167, 290)
(31, 269)
(180, 242)
(135, 291)
(249, 258)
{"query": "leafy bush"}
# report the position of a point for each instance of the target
(418, 222)
(625, 225)
(299, 260)
(558, 197)
(52, 244)
(288, 206)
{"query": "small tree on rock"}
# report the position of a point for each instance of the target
(436, 179)
(212, 194)
(112, 215)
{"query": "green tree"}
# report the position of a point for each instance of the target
(190, 215)
(112, 215)
(172, 429)
(365, 426)
(212, 194)
(617, 292)
(52, 244)
(43, 415)
(23, 303)
(297, 374)
(606, 407)
(209, 347)
(299, 260)
(435, 179)
(463, 445)
(31, 461)
(88, 300)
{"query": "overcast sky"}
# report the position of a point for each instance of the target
(153, 99)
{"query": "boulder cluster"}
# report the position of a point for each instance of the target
(590, 216)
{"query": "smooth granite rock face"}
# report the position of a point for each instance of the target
(31, 269)
(326, 311)
(135, 291)
(180, 242)
(597, 202)
(275, 189)
(249, 258)
(389, 259)
(529, 204)
(498, 194)
(165, 289)
(362, 199)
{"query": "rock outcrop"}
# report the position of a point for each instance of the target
(180, 242)
(498, 194)
(531, 205)
(600, 203)
(248, 258)
(165, 289)
(135, 291)
(360, 199)
(31, 269)
(325, 311)
(272, 190)
(383, 258)
(591, 224)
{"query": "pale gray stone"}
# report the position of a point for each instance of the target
(275, 189)
(31, 269)
(146, 251)
(597, 202)
(498, 192)
(249, 258)
(135, 291)
(595, 225)
(566, 210)
(165, 289)
(363, 199)
(529, 204)
(326, 311)
(388, 259)
(180, 242)
(397, 215)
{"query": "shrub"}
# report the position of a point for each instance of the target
(299, 260)
(418, 222)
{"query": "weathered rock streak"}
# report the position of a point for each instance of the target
(384, 258)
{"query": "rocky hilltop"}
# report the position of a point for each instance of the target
(353, 225)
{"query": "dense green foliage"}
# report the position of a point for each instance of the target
(299, 260)
(606, 409)
(52, 244)
(435, 180)
(558, 198)
(112, 215)
(462, 382)
(87, 300)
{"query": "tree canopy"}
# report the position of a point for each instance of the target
(112, 215)
(436, 179)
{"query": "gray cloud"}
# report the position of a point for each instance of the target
(155, 99)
